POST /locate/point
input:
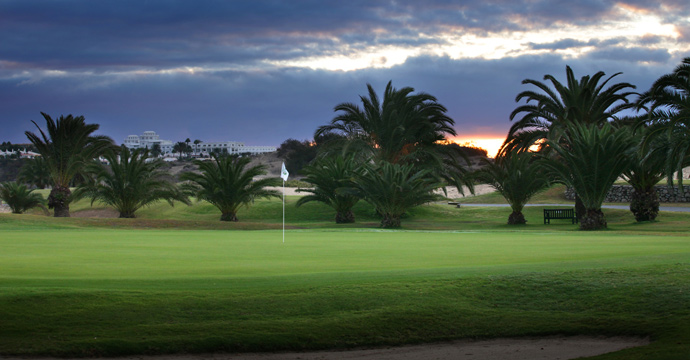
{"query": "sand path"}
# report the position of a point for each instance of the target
(551, 348)
(453, 193)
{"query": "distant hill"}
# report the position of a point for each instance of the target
(9, 169)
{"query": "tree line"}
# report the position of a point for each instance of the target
(392, 152)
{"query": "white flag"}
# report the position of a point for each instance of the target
(284, 173)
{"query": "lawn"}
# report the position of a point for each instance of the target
(177, 280)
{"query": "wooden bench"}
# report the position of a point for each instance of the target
(456, 204)
(559, 214)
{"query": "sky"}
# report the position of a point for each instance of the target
(263, 71)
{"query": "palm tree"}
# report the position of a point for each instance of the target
(393, 189)
(19, 197)
(546, 114)
(35, 172)
(590, 160)
(196, 146)
(403, 128)
(517, 176)
(156, 150)
(669, 114)
(66, 148)
(130, 182)
(188, 148)
(327, 175)
(647, 168)
(179, 148)
(227, 183)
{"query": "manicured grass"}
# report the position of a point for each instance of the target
(175, 280)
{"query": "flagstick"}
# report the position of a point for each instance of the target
(283, 211)
(284, 175)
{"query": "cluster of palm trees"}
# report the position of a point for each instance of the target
(584, 139)
(126, 180)
(389, 153)
(392, 153)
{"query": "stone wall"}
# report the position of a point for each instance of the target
(623, 194)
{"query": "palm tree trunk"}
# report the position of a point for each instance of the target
(593, 220)
(228, 216)
(580, 209)
(127, 215)
(58, 200)
(516, 218)
(390, 221)
(344, 217)
(645, 204)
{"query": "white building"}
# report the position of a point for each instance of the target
(231, 147)
(202, 149)
(147, 140)
(254, 150)
(24, 154)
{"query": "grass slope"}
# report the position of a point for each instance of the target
(174, 281)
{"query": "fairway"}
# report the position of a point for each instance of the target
(114, 287)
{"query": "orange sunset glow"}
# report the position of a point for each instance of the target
(490, 144)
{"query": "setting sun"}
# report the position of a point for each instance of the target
(491, 145)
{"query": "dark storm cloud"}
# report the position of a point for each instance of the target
(112, 61)
(636, 54)
(157, 33)
(269, 107)
(160, 34)
(651, 40)
(605, 45)
(499, 15)
(560, 44)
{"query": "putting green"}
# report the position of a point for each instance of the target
(187, 255)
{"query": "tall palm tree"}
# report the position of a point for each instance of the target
(647, 168)
(228, 183)
(669, 116)
(68, 145)
(130, 181)
(393, 189)
(328, 175)
(156, 150)
(188, 148)
(179, 148)
(401, 128)
(19, 197)
(591, 162)
(35, 172)
(196, 146)
(547, 113)
(517, 176)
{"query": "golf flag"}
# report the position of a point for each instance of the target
(284, 173)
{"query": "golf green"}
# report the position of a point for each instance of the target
(95, 254)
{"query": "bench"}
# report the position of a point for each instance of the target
(456, 204)
(559, 214)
